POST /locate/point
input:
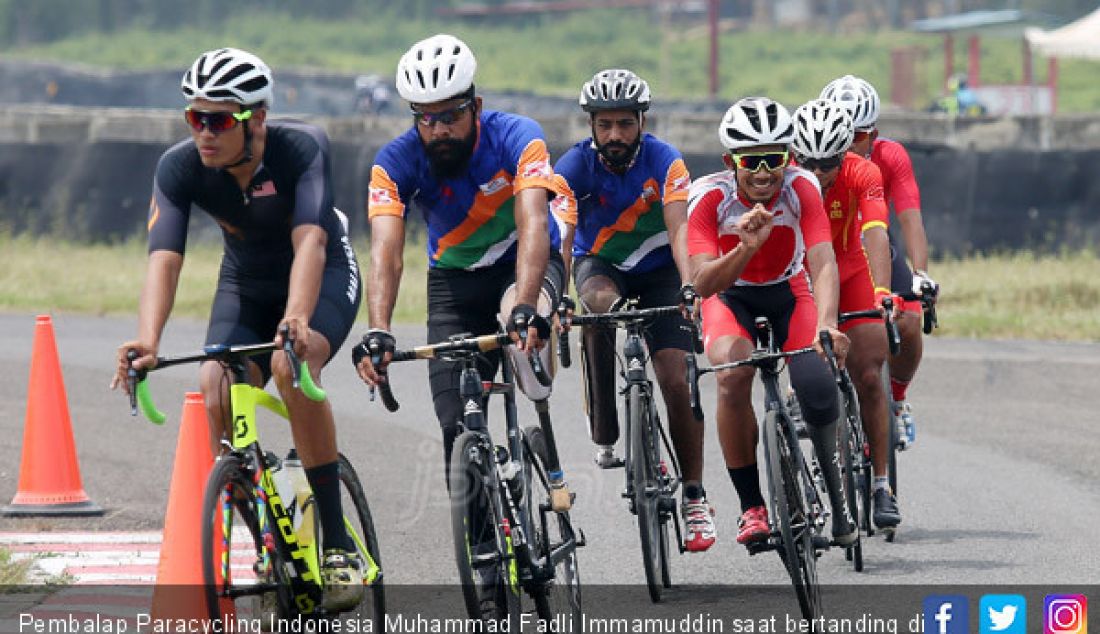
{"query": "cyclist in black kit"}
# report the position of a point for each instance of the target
(287, 261)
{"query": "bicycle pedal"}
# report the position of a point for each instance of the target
(756, 548)
(580, 540)
(821, 542)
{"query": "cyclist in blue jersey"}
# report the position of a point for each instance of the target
(287, 261)
(481, 180)
(626, 195)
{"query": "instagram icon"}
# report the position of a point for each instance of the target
(1065, 614)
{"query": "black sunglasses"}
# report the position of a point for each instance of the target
(821, 165)
(447, 117)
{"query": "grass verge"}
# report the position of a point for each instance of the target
(13, 573)
(1018, 295)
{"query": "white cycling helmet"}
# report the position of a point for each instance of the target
(435, 69)
(858, 96)
(229, 74)
(755, 121)
(822, 129)
(615, 89)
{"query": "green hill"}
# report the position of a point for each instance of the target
(554, 55)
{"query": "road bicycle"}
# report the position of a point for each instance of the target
(796, 511)
(652, 470)
(853, 446)
(507, 538)
(261, 550)
(929, 322)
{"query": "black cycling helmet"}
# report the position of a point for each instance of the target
(615, 89)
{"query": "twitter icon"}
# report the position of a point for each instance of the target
(1002, 614)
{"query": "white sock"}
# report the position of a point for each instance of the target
(882, 482)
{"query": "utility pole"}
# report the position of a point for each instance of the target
(712, 15)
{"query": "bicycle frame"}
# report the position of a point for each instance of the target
(525, 566)
(243, 440)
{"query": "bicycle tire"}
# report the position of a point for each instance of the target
(562, 595)
(851, 459)
(644, 474)
(796, 533)
(229, 498)
(477, 525)
(892, 428)
(361, 530)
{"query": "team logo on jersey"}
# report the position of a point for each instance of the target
(493, 186)
(380, 196)
(537, 169)
(875, 193)
(266, 188)
(649, 193)
(680, 182)
(835, 210)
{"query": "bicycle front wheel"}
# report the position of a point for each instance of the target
(553, 542)
(892, 428)
(360, 528)
(791, 510)
(240, 575)
(851, 448)
(483, 546)
(646, 477)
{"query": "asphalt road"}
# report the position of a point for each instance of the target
(1000, 488)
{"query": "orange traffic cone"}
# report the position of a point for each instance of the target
(179, 586)
(49, 476)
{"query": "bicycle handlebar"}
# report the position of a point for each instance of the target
(622, 318)
(465, 346)
(928, 295)
(141, 398)
(892, 336)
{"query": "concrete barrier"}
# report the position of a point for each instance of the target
(86, 173)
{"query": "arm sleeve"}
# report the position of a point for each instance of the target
(677, 182)
(872, 204)
(813, 221)
(169, 208)
(703, 224)
(384, 197)
(904, 193)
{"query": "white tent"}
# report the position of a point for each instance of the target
(1076, 39)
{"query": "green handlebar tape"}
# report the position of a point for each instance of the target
(309, 388)
(145, 401)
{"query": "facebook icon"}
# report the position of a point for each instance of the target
(946, 614)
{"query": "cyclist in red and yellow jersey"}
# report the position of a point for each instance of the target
(902, 193)
(857, 216)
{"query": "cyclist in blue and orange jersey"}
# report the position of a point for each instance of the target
(902, 193)
(750, 229)
(630, 192)
(287, 261)
(482, 180)
(857, 214)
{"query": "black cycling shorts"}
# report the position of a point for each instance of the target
(660, 287)
(247, 311)
(461, 301)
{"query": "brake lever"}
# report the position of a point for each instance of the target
(288, 348)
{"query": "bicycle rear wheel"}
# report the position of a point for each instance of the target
(483, 546)
(645, 475)
(562, 595)
(360, 528)
(785, 485)
(240, 575)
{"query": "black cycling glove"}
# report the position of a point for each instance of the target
(687, 295)
(376, 343)
(524, 316)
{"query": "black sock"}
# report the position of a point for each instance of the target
(747, 482)
(694, 491)
(325, 482)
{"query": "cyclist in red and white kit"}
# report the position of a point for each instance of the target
(749, 230)
(857, 216)
(902, 193)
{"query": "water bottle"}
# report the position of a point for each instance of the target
(297, 497)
